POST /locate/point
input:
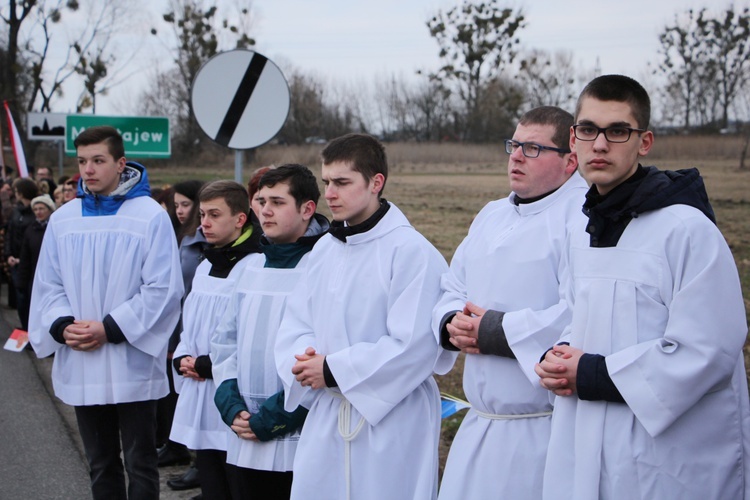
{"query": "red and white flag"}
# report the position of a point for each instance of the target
(2, 156)
(15, 141)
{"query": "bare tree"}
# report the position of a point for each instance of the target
(14, 17)
(549, 79)
(34, 26)
(195, 32)
(419, 111)
(97, 63)
(501, 102)
(684, 55)
(705, 61)
(477, 42)
(728, 41)
(318, 111)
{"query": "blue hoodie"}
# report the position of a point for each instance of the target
(133, 183)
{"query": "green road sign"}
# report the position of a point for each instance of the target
(144, 136)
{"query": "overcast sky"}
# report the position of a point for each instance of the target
(350, 42)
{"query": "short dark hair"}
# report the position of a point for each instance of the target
(560, 119)
(303, 186)
(106, 134)
(26, 187)
(233, 193)
(189, 188)
(252, 184)
(619, 88)
(366, 154)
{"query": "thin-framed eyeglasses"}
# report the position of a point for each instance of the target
(530, 149)
(615, 134)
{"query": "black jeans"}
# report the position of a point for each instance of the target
(23, 299)
(101, 428)
(251, 484)
(212, 472)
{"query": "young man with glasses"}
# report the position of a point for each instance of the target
(500, 302)
(652, 391)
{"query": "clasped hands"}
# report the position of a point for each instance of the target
(463, 328)
(187, 369)
(241, 426)
(308, 370)
(84, 335)
(558, 370)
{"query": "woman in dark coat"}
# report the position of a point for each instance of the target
(31, 245)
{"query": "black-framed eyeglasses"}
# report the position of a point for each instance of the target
(530, 149)
(612, 134)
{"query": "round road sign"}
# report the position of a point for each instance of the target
(240, 99)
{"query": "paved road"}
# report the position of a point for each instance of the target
(41, 456)
(38, 456)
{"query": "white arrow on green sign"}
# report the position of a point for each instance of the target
(143, 136)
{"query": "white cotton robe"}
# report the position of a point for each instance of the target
(511, 261)
(125, 265)
(665, 308)
(197, 423)
(243, 348)
(366, 305)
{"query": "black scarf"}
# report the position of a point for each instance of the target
(341, 231)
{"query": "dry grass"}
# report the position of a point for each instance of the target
(441, 187)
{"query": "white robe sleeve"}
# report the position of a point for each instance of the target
(294, 336)
(531, 332)
(375, 377)
(453, 298)
(663, 378)
(48, 299)
(155, 309)
(177, 377)
(224, 344)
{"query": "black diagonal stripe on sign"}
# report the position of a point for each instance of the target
(241, 98)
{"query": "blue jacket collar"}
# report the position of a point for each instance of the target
(133, 183)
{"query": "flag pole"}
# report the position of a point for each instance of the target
(15, 140)
(2, 156)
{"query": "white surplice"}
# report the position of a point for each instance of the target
(511, 261)
(197, 423)
(665, 308)
(366, 305)
(125, 265)
(243, 348)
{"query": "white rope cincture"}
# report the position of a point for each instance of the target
(492, 416)
(345, 417)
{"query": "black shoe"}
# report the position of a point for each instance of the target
(187, 481)
(173, 454)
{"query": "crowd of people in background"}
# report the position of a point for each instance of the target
(25, 206)
(238, 331)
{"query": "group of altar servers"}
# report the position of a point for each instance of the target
(598, 308)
